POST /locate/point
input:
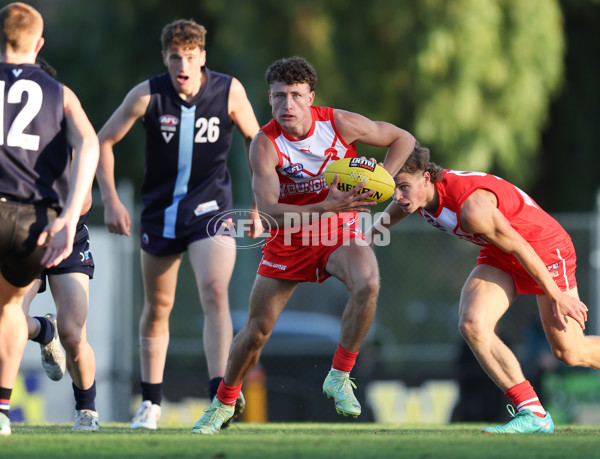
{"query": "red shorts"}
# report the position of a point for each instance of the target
(561, 262)
(303, 259)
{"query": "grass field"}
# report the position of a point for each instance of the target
(304, 440)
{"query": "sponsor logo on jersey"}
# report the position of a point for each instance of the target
(294, 169)
(363, 163)
(311, 186)
(274, 265)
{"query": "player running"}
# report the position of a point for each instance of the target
(288, 158)
(48, 153)
(524, 251)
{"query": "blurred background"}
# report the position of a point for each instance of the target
(502, 86)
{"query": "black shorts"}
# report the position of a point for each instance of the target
(80, 260)
(20, 227)
(161, 246)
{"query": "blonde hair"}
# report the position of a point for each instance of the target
(21, 26)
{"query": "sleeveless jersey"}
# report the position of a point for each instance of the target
(525, 216)
(35, 158)
(302, 163)
(186, 180)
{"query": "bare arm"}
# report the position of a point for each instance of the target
(82, 138)
(357, 128)
(242, 114)
(392, 214)
(266, 187)
(133, 107)
(480, 215)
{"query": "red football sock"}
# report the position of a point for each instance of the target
(228, 394)
(344, 360)
(523, 397)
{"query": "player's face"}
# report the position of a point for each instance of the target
(413, 191)
(290, 105)
(185, 69)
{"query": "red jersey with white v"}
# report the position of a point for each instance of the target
(302, 163)
(547, 237)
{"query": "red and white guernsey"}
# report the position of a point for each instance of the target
(302, 163)
(547, 237)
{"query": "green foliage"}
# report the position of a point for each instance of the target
(470, 78)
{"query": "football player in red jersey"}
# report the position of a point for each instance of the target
(288, 158)
(524, 251)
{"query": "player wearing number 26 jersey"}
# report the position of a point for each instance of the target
(187, 144)
(189, 114)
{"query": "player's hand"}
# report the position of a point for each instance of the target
(255, 229)
(116, 219)
(569, 306)
(344, 201)
(59, 235)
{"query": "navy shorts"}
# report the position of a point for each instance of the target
(20, 227)
(80, 260)
(161, 246)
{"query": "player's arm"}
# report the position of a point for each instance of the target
(480, 215)
(266, 187)
(392, 214)
(242, 115)
(357, 128)
(133, 107)
(82, 138)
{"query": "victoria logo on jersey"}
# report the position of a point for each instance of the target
(168, 126)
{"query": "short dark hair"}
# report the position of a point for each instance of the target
(292, 70)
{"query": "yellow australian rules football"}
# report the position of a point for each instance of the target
(353, 171)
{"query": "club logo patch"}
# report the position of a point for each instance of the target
(168, 120)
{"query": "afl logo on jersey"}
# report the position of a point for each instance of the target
(294, 169)
(168, 120)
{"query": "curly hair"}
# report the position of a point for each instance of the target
(418, 161)
(183, 32)
(292, 70)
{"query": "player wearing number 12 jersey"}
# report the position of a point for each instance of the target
(524, 251)
(188, 114)
(48, 156)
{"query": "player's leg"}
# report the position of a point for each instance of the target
(485, 298)
(159, 274)
(212, 260)
(354, 264)
(13, 337)
(572, 347)
(71, 296)
(44, 330)
(267, 299)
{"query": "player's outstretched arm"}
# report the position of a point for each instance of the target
(82, 138)
(133, 107)
(480, 215)
(357, 128)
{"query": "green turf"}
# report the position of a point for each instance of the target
(300, 440)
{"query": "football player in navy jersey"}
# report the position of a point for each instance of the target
(188, 113)
(48, 156)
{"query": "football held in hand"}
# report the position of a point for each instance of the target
(353, 171)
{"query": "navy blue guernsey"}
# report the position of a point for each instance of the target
(35, 156)
(186, 180)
